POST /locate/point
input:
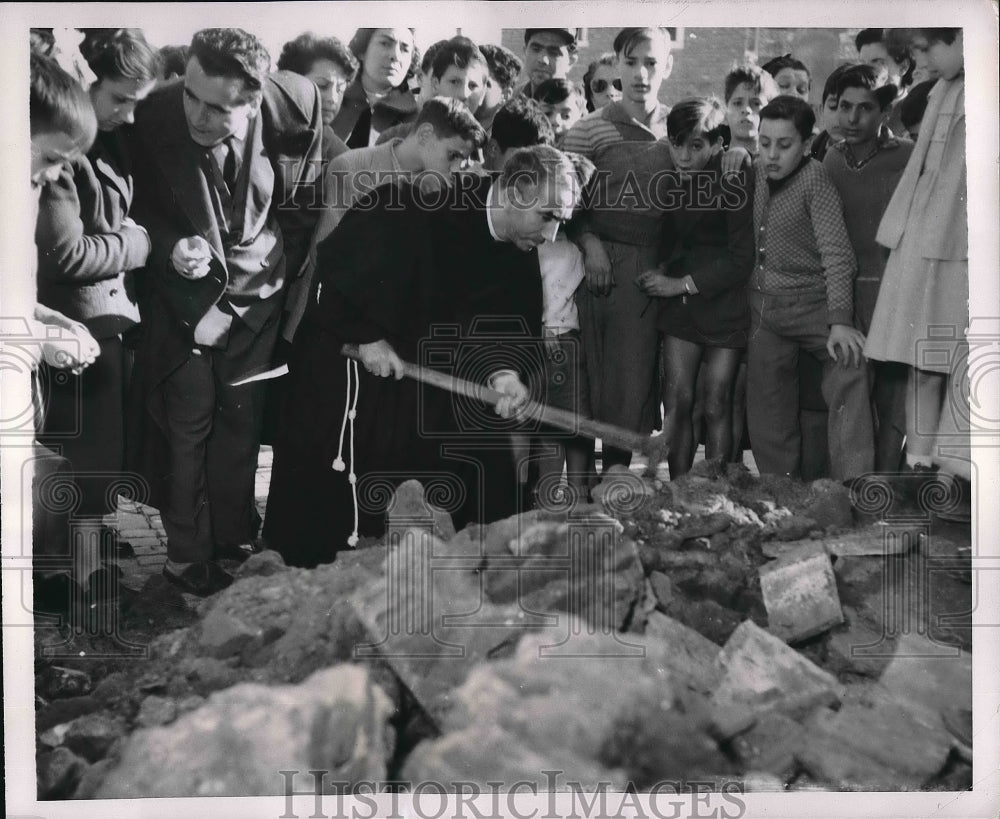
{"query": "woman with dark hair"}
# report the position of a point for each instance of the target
(379, 98)
(87, 246)
(331, 67)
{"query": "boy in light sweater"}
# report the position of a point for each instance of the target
(801, 300)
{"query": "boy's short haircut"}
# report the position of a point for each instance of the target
(58, 104)
(459, 51)
(775, 66)
(173, 60)
(582, 166)
(940, 35)
(120, 54)
(830, 86)
(450, 117)
(628, 38)
(234, 54)
(752, 75)
(866, 76)
(867, 36)
(427, 62)
(704, 114)
(521, 123)
(300, 54)
(794, 109)
(913, 105)
(503, 64)
(556, 91)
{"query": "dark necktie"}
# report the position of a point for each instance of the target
(360, 135)
(228, 161)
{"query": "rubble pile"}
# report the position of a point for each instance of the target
(719, 627)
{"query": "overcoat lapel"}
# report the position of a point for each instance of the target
(260, 188)
(180, 160)
(106, 171)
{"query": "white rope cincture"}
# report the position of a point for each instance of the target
(338, 462)
(352, 478)
(350, 413)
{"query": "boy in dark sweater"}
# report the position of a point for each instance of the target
(865, 168)
(801, 299)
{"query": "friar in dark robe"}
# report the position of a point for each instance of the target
(446, 278)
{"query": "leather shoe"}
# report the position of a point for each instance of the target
(201, 579)
(235, 551)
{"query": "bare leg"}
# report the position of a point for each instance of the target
(739, 412)
(681, 362)
(925, 394)
(719, 374)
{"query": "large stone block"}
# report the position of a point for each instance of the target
(873, 744)
(240, 739)
(800, 595)
(687, 656)
(761, 673)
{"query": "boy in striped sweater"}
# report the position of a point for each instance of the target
(801, 300)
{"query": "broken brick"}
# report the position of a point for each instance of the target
(762, 673)
(800, 595)
(689, 657)
(874, 541)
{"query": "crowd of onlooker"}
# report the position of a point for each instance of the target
(737, 270)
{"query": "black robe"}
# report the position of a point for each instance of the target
(430, 279)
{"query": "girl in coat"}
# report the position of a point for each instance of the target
(922, 313)
(87, 248)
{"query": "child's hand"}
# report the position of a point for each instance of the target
(600, 278)
(734, 158)
(845, 339)
(74, 349)
(654, 283)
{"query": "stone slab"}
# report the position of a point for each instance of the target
(800, 595)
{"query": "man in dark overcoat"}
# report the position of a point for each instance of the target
(227, 161)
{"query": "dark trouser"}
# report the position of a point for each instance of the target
(214, 440)
(85, 422)
(781, 327)
(889, 397)
(52, 482)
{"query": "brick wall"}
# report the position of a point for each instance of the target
(707, 54)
